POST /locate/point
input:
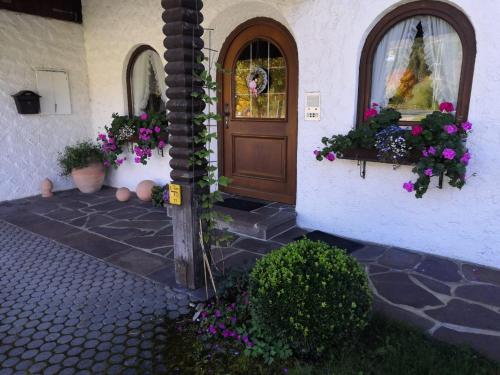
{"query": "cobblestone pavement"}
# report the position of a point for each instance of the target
(454, 301)
(64, 312)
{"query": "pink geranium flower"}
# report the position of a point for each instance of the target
(417, 130)
(449, 153)
(428, 172)
(450, 128)
(370, 112)
(446, 107)
(467, 126)
(465, 158)
(144, 116)
(330, 156)
(409, 186)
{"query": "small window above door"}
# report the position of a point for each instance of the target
(260, 82)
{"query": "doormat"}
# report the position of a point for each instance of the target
(241, 204)
(333, 241)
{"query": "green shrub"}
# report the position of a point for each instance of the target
(79, 156)
(311, 296)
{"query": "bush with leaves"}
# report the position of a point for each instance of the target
(80, 155)
(310, 296)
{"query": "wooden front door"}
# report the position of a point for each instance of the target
(258, 148)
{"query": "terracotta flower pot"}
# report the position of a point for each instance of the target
(89, 179)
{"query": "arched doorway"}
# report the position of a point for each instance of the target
(258, 133)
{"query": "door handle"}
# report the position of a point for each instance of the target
(226, 116)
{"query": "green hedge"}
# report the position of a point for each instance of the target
(311, 296)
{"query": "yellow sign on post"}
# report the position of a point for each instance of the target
(174, 194)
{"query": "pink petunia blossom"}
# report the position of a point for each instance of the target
(446, 107)
(330, 156)
(370, 112)
(467, 126)
(449, 153)
(144, 116)
(417, 130)
(450, 128)
(408, 186)
(428, 172)
(465, 158)
(157, 129)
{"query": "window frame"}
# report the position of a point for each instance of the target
(456, 18)
(130, 68)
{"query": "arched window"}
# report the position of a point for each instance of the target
(419, 55)
(146, 88)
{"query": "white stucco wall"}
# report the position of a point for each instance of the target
(30, 143)
(113, 29)
(331, 196)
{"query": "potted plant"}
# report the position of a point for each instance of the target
(85, 163)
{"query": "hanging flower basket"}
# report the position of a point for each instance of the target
(436, 146)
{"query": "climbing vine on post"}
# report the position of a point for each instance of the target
(210, 183)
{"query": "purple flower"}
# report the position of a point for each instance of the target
(409, 186)
(465, 158)
(450, 128)
(119, 161)
(138, 160)
(431, 151)
(166, 198)
(425, 153)
(225, 333)
(467, 126)
(161, 144)
(203, 314)
(217, 313)
(212, 330)
(428, 172)
(330, 156)
(222, 326)
(234, 319)
(449, 154)
(144, 116)
(107, 164)
(102, 137)
(316, 153)
(157, 129)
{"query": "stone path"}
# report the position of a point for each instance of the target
(65, 312)
(451, 300)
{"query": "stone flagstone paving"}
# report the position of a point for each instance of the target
(64, 312)
(451, 300)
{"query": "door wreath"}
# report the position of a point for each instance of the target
(257, 81)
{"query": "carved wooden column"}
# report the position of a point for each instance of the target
(183, 42)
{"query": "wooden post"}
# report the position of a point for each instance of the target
(183, 45)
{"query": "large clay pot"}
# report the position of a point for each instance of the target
(89, 179)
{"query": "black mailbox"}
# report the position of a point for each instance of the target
(27, 102)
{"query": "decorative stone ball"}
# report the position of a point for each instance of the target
(123, 194)
(46, 187)
(144, 190)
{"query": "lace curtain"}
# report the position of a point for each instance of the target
(141, 89)
(443, 55)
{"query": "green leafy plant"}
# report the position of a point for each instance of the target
(202, 157)
(159, 196)
(310, 296)
(80, 155)
(437, 145)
